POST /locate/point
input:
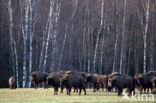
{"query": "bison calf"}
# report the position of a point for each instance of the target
(12, 83)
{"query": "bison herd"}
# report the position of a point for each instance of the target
(81, 80)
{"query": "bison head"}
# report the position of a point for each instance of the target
(112, 82)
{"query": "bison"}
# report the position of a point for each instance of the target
(109, 77)
(97, 80)
(38, 77)
(143, 81)
(75, 81)
(54, 80)
(12, 83)
(121, 82)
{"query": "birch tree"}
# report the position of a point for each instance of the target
(25, 37)
(123, 37)
(66, 29)
(13, 44)
(50, 27)
(116, 37)
(145, 35)
(97, 39)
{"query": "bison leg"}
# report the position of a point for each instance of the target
(34, 84)
(102, 87)
(120, 92)
(84, 91)
(147, 90)
(80, 89)
(94, 90)
(62, 89)
(75, 90)
(55, 90)
(69, 90)
(151, 89)
(98, 87)
(129, 92)
(37, 85)
(45, 85)
(133, 91)
(140, 89)
(14, 87)
(10, 86)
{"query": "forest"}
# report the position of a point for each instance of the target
(94, 36)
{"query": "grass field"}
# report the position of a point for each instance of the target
(46, 96)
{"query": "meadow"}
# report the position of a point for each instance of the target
(30, 95)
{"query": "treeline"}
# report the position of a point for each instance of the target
(97, 36)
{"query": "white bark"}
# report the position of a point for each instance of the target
(152, 44)
(48, 36)
(115, 50)
(25, 38)
(66, 29)
(90, 32)
(56, 29)
(116, 39)
(97, 39)
(12, 42)
(123, 37)
(145, 36)
(31, 33)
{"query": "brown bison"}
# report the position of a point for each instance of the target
(73, 81)
(12, 83)
(75, 72)
(151, 73)
(121, 82)
(54, 80)
(143, 81)
(39, 77)
(109, 77)
(97, 80)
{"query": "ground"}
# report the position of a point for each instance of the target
(46, 96)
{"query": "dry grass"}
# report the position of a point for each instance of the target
(46, 96)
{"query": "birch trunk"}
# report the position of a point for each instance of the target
(48, 36)
(115, 51)
(145, 36)
(97, 39)
(116, 37)
(31, 33)
(25, 39)
(66, 29)
(56, 29)
(13, 43)
(123, 37)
